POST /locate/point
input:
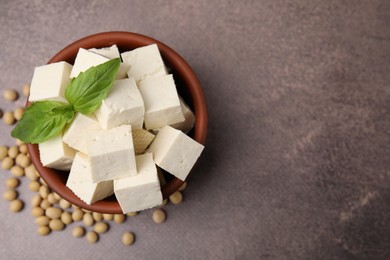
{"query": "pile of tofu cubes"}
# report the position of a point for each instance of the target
(140, 124)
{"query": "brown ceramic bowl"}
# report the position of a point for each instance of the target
(189, 89)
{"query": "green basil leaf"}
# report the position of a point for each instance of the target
(86, 92)
(42, 121)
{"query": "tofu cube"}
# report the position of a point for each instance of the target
(80, 182)
(82, 129)
(189, 118)
(141, 140)
(84, 60)
(49, 82)
(175, 152)
(111, 154)
(144, 62)
(123, 105)
(54, 153)
(141, 191)
(162, 104)
(111, 52)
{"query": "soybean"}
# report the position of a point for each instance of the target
(128, 238)
(10, 95)
(101, 227)
(119, 218)
(16, 205)
(132, 214)
(176, 198)
(42, 221)
(64, 204)
(23, 160)
(31, 172)
(26, 90)
(37, 211)
(34, 186)
(3, 152)
(45, 204)
(13, 151)
(56, 224)
(97, 216)
(158, 216)
(36, 200)
(18, 113)
(53, 213)
(44, 230)
(108, 216)
(66, 217)
(183, 186)
(77, 215)
(44, 191)
(12, 182)
(17, 171)
(7, 163)
(88, 219)
(10, 195)
(78, 231)
(92, 237)
(8, 118)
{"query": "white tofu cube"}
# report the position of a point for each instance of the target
(141, 191)
(54, 153)
(111, 154)
(189, 118)
(144, 62)
(123, 105)
(82, 129)
(141, 140)
(80, 182)
(49, 82)
(84, 60)
(122, 71)
(175, 152)
(111, 52)
(162, 104)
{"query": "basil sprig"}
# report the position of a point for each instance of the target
(43, 120)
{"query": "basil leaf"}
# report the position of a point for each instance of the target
(42, 121)
(86, 92)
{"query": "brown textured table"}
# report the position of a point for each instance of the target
(297, 160)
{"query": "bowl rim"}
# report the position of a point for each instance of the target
(180, 68)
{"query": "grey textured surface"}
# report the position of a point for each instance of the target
(297, 160)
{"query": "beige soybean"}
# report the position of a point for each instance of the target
(56, 196)
(176, 198)
(97, 216)
(23, 148)
(44, 192)
(36, 200)
(12, 182)
(183, 186)
(108, 216)
(13, 151)
(3, 152)
(42, 181)
(10, 195)
(31, 173)
(164, 202)
(26, 90)
(53, 213)
(45, 204)
(23, 160)
(8, 118)
(44, 230)
(92, 237)
(18, 113)
(78, 231)
(101, 227)
(158, 216)
(88, 219)
(64, 204)
(128, 238)
(51, 198)
(7, 163)
(66, 217)
(77, 215)
(42, 220)
(119, 218)
(37, 211)
(132, 214)
(10, 95)
(19, 142)
(16, 205)
(34, 186)
(56, 224)
(17, 171)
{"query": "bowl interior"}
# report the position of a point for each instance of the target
(188, 87)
